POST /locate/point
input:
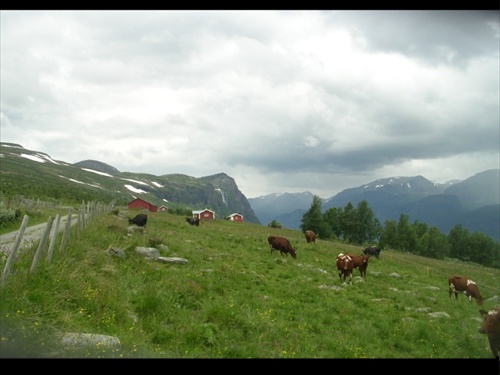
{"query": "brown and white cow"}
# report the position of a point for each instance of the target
(282, 244)
(466, 286)
(361, 263)
(345, 266)
(310, 236)
(491, 328)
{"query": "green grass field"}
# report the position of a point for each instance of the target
(236, 299)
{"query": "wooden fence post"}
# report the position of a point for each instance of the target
(53, 239)
(15, 247)
(82, 217)
(78, 222)
(41, 245)
(67, 233)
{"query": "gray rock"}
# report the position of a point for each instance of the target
(163, 247)
(432, 287)
(423, 309)
(116, 252)
(438, 315)
(149, 253)
(90, 339)
(174, 260)
(134, 228)
(494, 299)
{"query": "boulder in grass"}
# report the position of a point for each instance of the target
(174, 260)
(90, 340)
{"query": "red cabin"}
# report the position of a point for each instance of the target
(140, 204)
(205, 214)
(235, 217)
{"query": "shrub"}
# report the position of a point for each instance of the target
(8, 216)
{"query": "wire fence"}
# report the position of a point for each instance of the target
(434, 270)
(51, 232)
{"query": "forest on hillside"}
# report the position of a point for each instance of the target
(359, 226)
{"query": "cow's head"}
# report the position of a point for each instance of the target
(489, 318)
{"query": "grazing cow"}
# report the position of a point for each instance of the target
(282, 244)
(193, 221)
(372, 250)
(310, 236)
(140, 220)
(345, 266)
(467, 286)
(360, 262)
(491, 328)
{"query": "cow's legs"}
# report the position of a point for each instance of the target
(453, 290)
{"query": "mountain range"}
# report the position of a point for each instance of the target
(474, 203)
(32, 173)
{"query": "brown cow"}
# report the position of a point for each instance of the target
(345, 267)
(465, 285)
(310, 236)
(491, 328)
(282, 244)
(360, 262)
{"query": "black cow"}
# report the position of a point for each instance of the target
(193, 221)
(140, 220)
(372, 250)
(282, 244)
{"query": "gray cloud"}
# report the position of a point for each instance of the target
(280, 101)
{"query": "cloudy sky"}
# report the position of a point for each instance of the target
(282, 101)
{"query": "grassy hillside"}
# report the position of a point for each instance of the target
(30, 173)
(236, 299)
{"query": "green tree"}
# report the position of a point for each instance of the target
(475, 247)
(275, 224)
(370, 227)
(389, 236)
(458, 240)
(407, 238)
(313, 220)
(332, 218)
(482, 249)
(433, 244)
(348, 222)
(420, 228)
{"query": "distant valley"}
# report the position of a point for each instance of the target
(474, 202)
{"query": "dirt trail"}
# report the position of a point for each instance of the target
(31, 234)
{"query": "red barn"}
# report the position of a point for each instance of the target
(205, 214)
(139, 204)
(235, 217)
